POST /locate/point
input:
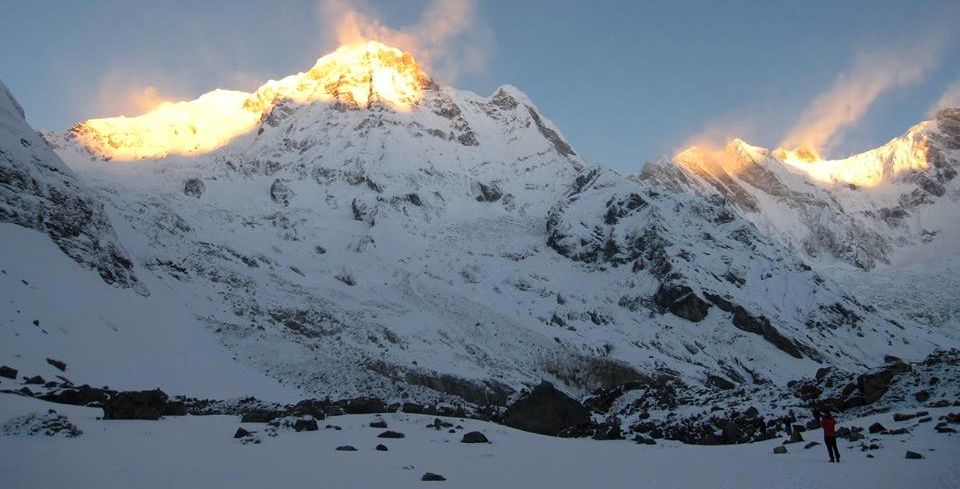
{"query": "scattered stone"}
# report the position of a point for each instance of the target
(391, 434)
(8, 372)
(57, 364)
(811, 445)
(899, 431)
(855, 436)
(382, 448)
(346, 448)
(474, 437)
(913, 455)
(35, 380)
(546, 411)
(876, 428)
(241, 433)
(430, 476)
(378, 424)
(780, 450)
(136, 405)
(795, 437)
(439, 424)
(921, 396)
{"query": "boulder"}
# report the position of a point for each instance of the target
(241, 433)
(874, 385)
(391, 434)
(430, 476)
(35, 380)
(305, 424)
(136, 405)
(362, 405)
(913, 455)
(8, 372)
(80, 396)
(876, 428)
(546, 410)
(921, 396)
(474, 437)
(379, 423)
(382, 448)
(346, 448)
(780, 450)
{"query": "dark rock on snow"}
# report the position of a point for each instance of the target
(913, 455)
(391, 434)
(346, 448)
(241, 433)
(430, 476)
(780, 450)
(474, 437)
(382, 448)
(136, 405)
(57, 364)
(546, 411)
(876, 428)
(8, 372)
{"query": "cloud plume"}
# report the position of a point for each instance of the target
(448, 38)
(854, 91)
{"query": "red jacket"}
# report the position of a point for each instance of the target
(829, 426)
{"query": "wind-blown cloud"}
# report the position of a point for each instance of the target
(854, 91)
(950, 98)
(448, 38)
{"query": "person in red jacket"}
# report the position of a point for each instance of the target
(830, 435)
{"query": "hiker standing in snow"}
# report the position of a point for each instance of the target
(830, 435)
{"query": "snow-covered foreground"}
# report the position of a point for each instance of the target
(200, 452)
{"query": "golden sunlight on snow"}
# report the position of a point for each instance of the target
(359, 75)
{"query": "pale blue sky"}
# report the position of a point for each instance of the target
(625, 81)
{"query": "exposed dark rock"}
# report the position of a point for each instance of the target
(488, 192)
(35, 380)
(280, 192)
(921, 396)
(546, 411)
(193, 187)
(346, 448)
(720, 382)
(242, 433)
(430, 476)
(913, 455)
(391, 434)
(681, 302)
(382, 448)
(8, 372)
(760, 325)
(83, 395)
(876, 428)
(558, 143)
(136, 405)
(259, 416)
(378, 424)
(362, 405)
(811, 445)
(57, 364)
(873, 386)
(474, 437)
(780, 450)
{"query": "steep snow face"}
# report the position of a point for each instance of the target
(38, 191)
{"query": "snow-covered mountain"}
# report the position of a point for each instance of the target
(890, 211)
(458, 248)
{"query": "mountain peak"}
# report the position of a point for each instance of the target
(358, 75)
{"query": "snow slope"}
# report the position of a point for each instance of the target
(200, 452)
